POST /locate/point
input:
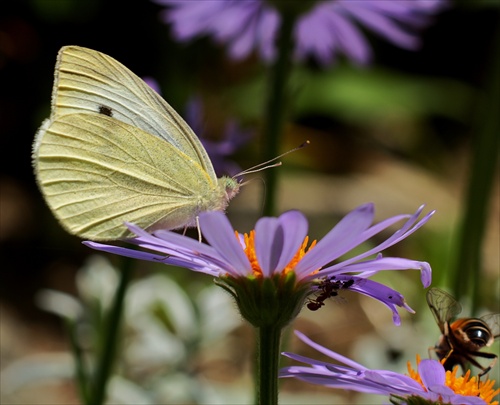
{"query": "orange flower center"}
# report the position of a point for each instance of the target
(463, 385)
(249, 249)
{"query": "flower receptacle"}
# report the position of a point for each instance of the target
(266, 301)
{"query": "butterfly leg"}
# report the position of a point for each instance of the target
(198, 227)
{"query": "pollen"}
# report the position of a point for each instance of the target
(467, 385)
(413, 373)
(249, 248)
(463, 385)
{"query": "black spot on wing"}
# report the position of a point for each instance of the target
(105, 110)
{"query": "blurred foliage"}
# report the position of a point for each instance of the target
(363, 97)
(169, 337)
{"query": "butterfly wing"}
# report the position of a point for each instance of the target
(97, 172)
(92, 82)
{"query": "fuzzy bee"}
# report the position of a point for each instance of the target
(462, 338)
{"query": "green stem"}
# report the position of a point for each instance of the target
(110, 336)
(275, 106)
(484, 161)
(268, 352)
(81, 370)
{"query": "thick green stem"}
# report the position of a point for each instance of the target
(268, 352)
(269, 304)
(468, 262)
(110, 337)
(275, 106)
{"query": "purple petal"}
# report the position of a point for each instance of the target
(406, 230)
(194, 20)
(339, 240)
(220, 234)
(202, 267)
(134, 254)
(413, 13)
(308, 29)
(242, 44)
(401, 382)
(387, 296)
(169, 243)
(346, 383)
(350, 39)
(326, 29)
(370, 267)
(186, 249)
(369, 381)
(277, 240)
(268, 244)
(194, 114)
(466, 399)
(329, 353)
(334, 380)
(440, 391)
(153, 83)
(186, 252)
(383, 225)
(384, 382)
(431, 372)
(233, 20)
(265, 35)
(295, 229)
(382, 25)
(395, 382)
(321, 364)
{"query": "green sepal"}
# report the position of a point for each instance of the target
(265, 301)
(412, 400)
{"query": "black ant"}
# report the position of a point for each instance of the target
(329, 287)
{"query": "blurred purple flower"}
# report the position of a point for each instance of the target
(350, 375)
(233, 138)
(277, 247)
(330, 27)
(153, 83)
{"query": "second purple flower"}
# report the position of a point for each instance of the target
(326, 29)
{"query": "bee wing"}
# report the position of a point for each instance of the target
(443, 306)
(493, 322)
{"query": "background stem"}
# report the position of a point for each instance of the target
(110, 337)
(81, 372)
(276, 106)
(484, 160)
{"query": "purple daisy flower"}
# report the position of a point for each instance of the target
(277, 248)
(328, 28)
(431, 383)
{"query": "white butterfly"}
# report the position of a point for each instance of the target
(114, 151)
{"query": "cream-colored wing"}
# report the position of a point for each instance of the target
(97, 173)
(90, 81)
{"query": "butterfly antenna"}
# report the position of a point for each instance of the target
(262, 166)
